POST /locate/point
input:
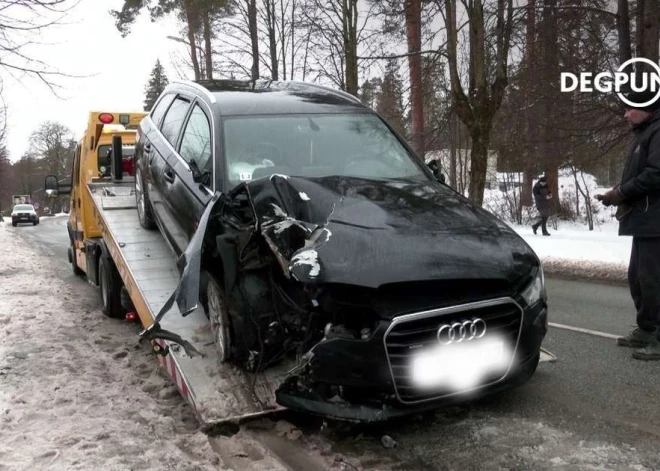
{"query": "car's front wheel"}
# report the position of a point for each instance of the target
(143, 204)
(215, 304)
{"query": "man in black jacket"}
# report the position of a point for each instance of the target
(542, 196)
(637, 198)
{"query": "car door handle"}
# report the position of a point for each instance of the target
(168, 175)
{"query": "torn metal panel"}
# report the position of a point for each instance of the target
(379, 232)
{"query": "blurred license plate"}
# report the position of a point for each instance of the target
(459, 365)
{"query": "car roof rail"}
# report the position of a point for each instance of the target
(334, 91)
(196, 86)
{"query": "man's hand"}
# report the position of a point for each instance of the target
(614, 197)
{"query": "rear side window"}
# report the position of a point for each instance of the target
(196, 141)
(174, 119)
(159, 111)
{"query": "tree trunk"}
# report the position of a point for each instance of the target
(478, 110)
(550, 152)
(207, 45)
(623, 30)
(649, 20)
(414, 33)
(284, 36)
(191, 39)
(478, 163)
(452, 149)
(272, 40)
(254, 37)
(531, 123)
(349, 26)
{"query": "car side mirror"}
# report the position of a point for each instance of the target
(53, 189)
(436, 168)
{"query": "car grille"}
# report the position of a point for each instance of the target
(410, 333)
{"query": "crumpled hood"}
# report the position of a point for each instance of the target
(370, 233)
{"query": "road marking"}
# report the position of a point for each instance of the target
(584, 331)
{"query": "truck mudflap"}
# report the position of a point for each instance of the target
(218, 392)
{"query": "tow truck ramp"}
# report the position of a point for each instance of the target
(147, 265)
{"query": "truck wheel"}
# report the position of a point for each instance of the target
(72, 259)
(215, 305)
(143, 204)
(110, 284)
(14, 224)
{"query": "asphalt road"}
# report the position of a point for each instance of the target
(595, 408)
(50, 235)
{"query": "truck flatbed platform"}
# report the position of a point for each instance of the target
(218, 392)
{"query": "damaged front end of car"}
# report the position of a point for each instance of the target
(345, 281)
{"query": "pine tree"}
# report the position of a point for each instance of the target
(157, 83)
(390, 102)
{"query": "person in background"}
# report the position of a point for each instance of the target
(542, 197)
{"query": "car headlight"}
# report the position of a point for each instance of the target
(535, 291)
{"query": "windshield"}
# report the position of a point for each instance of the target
(23, 207)
(353, 145)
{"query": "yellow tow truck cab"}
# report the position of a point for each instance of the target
(92, 162)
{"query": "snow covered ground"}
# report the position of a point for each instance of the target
(573, 251)
(575, 242)
(74, 394)
(78, 392)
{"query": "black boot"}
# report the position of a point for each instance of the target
(649, 353)
(535, 228)
(636, 339)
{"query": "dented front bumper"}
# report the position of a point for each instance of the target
(354, 380)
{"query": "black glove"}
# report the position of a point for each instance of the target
(614, 197)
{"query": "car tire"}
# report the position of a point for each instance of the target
(72, 259)
(145, 214)
(110, 284)
(216, 309)
(14, 224)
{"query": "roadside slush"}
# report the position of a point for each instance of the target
(582, 270)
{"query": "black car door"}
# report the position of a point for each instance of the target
(148, 148)
(193, 186)
(162, 160)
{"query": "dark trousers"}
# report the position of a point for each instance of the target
(644, 281)
(542, 222)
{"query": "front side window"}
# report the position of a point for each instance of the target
(351, 145)
(159, 111)
(196, 141)
(174, 119)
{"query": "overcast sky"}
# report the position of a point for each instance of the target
(116, 70)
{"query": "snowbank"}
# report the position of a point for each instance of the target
(575, 252)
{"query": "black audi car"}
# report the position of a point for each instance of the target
(312, 234)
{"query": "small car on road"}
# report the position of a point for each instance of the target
(24, 213)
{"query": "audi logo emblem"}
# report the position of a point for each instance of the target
(459, 331)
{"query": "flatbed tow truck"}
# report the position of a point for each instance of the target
(109, 246)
